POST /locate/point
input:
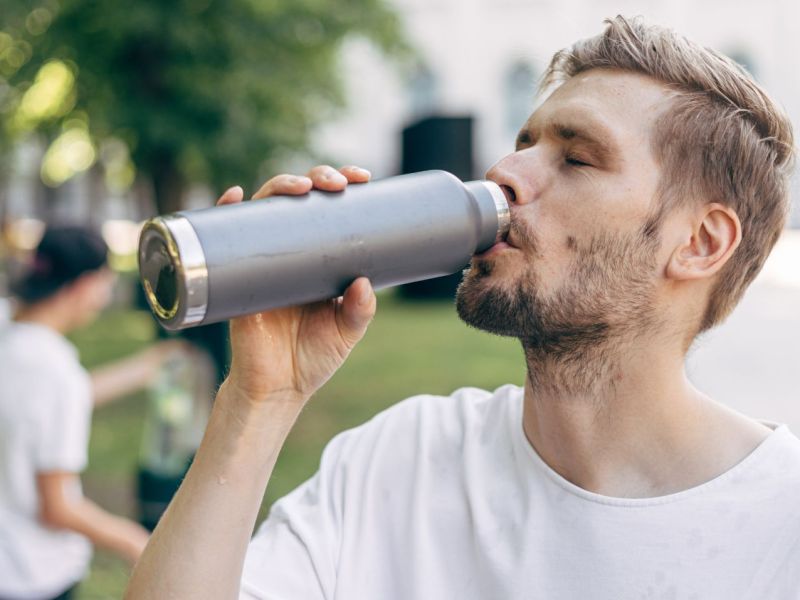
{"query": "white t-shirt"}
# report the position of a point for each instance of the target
(443, 497)
(45, 416)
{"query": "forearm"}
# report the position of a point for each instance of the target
(122, 377)
(197, 551)
(117, 534)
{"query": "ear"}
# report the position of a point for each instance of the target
(714, 237)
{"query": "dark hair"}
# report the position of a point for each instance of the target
(62, 256)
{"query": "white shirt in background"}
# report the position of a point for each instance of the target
(5, 311)
(443, 497)
(45, 416)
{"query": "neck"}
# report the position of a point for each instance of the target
(47, 313)
(621, 419)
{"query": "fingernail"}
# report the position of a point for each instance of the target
(231, 189)
(363, 171)
(363, 298)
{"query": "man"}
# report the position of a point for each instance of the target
(646, 192)
(47, 526)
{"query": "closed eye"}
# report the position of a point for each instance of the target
(524, 140)
(575, 162)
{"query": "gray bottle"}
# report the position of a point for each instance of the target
(209, 265)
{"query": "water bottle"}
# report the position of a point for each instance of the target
(209, 265)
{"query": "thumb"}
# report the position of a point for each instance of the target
(355, 311)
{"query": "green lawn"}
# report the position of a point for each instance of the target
(410, 348)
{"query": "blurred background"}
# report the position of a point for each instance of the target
(113, 112)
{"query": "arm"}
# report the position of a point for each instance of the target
(61, 507)
(280, 358)
(130, 374)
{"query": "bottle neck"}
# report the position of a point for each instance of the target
(494, 211)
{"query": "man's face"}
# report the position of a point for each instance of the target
(584, 261)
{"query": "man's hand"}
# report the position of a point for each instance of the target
(296, 350)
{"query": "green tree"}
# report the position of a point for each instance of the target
(185, 90)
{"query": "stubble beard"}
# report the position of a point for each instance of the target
(573, 337)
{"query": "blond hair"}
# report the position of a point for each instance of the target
(723, 139)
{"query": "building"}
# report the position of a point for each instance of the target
(483, 57)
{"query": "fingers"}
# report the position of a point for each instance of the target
(231, 196)
(355, 174)
(322, 177)
(327, 178)
(290, 185)
(356, 310)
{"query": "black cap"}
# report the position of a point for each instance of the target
(62, 256)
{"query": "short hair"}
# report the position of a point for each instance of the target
(64, 254)
(722, 139)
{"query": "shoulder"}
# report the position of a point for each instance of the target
(771, 473)
(782, 457)
(426, 425)
(464, 407)
(39, 364)
(27, 343)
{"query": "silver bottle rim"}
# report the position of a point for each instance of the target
(191, 272)
(503, 210)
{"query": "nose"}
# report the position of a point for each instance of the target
(518, 175)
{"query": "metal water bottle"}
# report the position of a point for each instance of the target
(208, 265)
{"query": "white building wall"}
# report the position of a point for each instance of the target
(469, 45)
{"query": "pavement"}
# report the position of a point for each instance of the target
(752, 361)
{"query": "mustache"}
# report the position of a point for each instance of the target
(522, 237)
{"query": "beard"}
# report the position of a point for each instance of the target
(608, 295)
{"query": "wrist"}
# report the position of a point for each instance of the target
(247, 397)
(245, 434)
(263, 411)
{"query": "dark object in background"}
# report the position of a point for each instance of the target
(437, 142)
(154, 493)
(212, 338)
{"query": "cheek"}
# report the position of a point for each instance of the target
(558, 248)
(105, 296)
(99, 297)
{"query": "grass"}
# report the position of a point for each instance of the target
(410, 348)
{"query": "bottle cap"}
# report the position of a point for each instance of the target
(172, 267)
(503, 210)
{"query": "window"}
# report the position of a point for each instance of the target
(520, 88)
(423, 91)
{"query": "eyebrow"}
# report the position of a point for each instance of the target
(601, 142)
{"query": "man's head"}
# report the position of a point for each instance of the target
(647, 190)
(69, 273)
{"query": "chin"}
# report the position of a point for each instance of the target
(487, 301)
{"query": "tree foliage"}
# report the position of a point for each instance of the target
(198, 90)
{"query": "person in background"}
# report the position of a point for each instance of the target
(5, 310)
(47, 526)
